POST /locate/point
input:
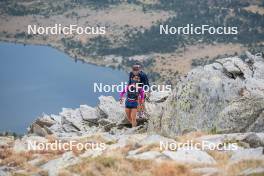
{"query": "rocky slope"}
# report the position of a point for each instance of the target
(108, 116)
(225, 97)
(130, 152)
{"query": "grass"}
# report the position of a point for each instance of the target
(190, 137)
(119, 166)
(220, 157)
(13, 159)
(237, 168)
(115, 163)
(171, 169)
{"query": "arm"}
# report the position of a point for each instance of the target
(123, 92)
(144, 78)
(141, 93)
(129, 79)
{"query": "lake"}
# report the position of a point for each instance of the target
(40, 79)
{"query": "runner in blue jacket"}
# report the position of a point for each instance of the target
(144, 82)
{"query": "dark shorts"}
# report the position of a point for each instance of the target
(131, 104)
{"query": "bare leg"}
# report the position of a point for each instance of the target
(128, 113)
(133, 117)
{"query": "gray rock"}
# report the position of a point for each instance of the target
(6, 141)
(89, 114)
(190, 156)
(92, 153)
(45, 120)
(226, 96)
(5, 171)
(239, 115)
(24, 144)
(110, 109)
(247, 154)
(41, 125)
(53, 166)
(108, 127)
(253, 140)
(20, 146)
(127, 139)
(158, 96)
(107, 115)
(104, 122)
(155, 139)
(207, 171)
(252, 172)
(257, 126)
(150, 155)
(73, 117)
(38, 130)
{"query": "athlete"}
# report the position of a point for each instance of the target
(134, 96)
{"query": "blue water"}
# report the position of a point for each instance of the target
(37, 79)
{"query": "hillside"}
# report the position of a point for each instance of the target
(205, 134)
(132, 31)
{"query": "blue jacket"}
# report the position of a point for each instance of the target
(143, 78)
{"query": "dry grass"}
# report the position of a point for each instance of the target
(118, 166)
(126, 149)
(151, 147)
(20, 160)
(180, 61)
(190, 137)
(171, 169)
(5, 152)
(16, 159)
(221, 158)
(234, 169)
(237, 168)
(64, 173)
(50, 138)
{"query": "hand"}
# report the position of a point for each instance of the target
(141, 101)
(121, 100)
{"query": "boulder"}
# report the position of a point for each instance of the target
(190, 156)
(53, 166)
(247, 154)
(89, 114)
(110, 109)
(92, 153)
(158, 96)
(149, 155)
(5, 171)
(45, 120)
(253, 140)
(24, 144)
(41, 125)
(38, 130)
(252, 172)
(5, 141)
(20, 146)
(239, 114)
(155, 140)
(226, 96)
(73, 118)
(208, 171)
